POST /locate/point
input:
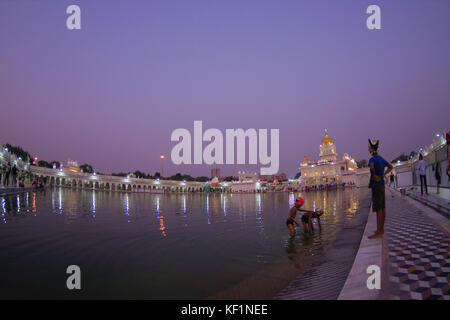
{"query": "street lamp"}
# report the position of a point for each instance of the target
(162, 157)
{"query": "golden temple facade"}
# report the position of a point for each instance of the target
(328, 169)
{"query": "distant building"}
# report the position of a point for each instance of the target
(247, 176)
(215, 173)
(328, 169)
(72, 166)
(274, 177)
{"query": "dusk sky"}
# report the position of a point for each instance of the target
(111, 93)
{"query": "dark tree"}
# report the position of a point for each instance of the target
(87, 168)
(120, 174)
(19, 152)
(362, 163)
(44, 164)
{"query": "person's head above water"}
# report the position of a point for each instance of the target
(299, 202)
(373, 146)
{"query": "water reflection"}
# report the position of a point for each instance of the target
(93, 204)
(3, 209)
(232, 234)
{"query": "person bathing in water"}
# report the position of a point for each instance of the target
(306, 217)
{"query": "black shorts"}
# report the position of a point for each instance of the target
(305, 219)
(289, 221)
(378, 198)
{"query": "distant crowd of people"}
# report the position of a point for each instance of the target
(328, 186)
(436, 167)
(12, 177)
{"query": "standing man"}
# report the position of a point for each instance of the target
(2, 173)
(437, 175)
(422, 168)
(392, 181)
(7, 172)
(14, 176)
(377, 175)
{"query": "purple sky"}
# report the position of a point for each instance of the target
(112, 93)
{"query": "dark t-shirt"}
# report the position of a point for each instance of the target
(379, 165)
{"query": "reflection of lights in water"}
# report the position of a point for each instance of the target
(334, 208)
(258, 202)
(184, 204)
(127, 206)
(60, 202)
(26, 200)
(207, 208)
(161, 226)
(157, 205)
(314, 205)
(224, 205)
(3, 209)
(34, 203)
(18, 203)
(259, 212)
(291, 199)
(93, 204)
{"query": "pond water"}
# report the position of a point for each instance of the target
(160, 246)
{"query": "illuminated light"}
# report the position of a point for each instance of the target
(162, 157)
(93, 173)
(438, 135)
(398, 161)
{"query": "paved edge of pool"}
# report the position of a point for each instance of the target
(375, 252)
(369, 253)
(327, 275)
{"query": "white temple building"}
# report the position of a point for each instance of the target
(328, 169)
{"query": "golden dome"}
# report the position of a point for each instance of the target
(305, 159)
(327, 140)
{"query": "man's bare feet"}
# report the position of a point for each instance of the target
(376, 235)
